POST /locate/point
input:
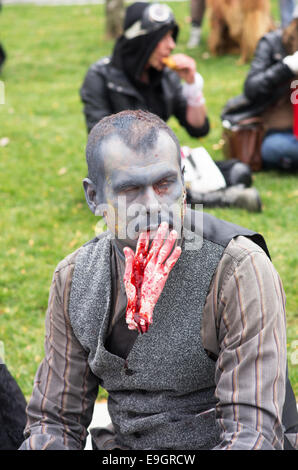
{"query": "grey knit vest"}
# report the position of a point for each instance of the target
(162, 396)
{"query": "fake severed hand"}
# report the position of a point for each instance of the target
(146, 274)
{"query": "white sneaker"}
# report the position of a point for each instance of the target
(194, 37)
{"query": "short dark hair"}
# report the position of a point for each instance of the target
(137, 129)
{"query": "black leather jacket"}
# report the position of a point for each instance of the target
(107, 90)
(268, 78)
(267, 81)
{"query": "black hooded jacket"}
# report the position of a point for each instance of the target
(268, 78)
(267, 81)
(113, 83)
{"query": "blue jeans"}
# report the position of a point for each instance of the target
(286, 11)
(280, 150)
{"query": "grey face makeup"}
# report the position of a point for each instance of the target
(142, 188)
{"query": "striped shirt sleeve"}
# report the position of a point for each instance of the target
(65, 390)
(247, 303)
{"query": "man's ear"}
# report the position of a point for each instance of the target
(90, 194)
(184, 201)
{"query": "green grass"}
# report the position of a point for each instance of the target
(43, 215)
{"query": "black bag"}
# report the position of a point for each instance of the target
(243, 131)
(244, 142)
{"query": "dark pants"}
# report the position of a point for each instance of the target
(280, 151)
(235, 172)
(197, 8)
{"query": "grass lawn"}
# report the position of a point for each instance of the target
(43, 215)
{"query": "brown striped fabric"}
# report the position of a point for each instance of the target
(244, 328)
(247, 306)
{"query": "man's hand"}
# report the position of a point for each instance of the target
(185, 67)
(146, 274)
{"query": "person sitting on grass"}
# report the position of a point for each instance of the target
(143, 73)
(271, 83)
(178, 315)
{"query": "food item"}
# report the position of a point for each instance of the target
(169, 62)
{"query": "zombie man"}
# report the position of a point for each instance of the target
(143, 72)
(183, 325)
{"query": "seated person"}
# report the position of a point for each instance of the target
(182, 323)
(136, 77)
(12, 411)
(268, 87)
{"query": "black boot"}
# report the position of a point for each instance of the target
(233, 196)
(2, 56)
(235, 172)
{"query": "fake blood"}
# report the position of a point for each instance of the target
(137, 277)
(144, 319)
(145, 276)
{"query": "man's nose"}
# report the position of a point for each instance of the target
(171, 43)
(150, 200)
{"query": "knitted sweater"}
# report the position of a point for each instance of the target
(162, 396)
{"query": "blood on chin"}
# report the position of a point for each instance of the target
(133, 237)
(152, 232)
(145, 276)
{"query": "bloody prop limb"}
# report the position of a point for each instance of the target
(146, 273)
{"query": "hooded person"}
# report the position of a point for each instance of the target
(136, 77)
(134, 48)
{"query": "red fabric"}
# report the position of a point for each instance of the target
(295, 113)
(296, 120)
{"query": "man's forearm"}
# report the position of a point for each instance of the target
(39, 441)
(195, 102)
(196, 115)
(251, 366)
(48, 425)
